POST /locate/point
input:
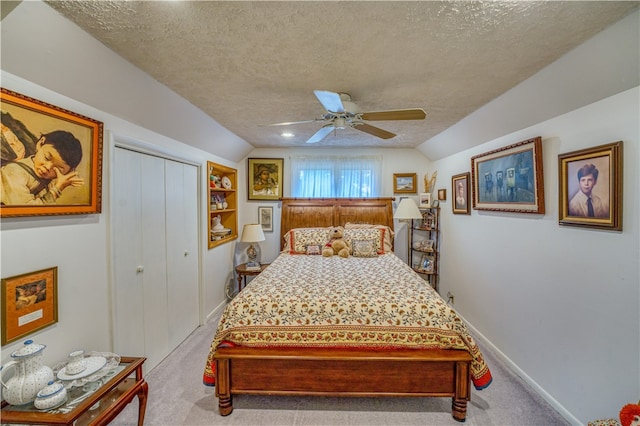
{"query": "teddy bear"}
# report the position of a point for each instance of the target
(336, 245)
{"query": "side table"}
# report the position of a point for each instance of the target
(243, 272)
(97, 407)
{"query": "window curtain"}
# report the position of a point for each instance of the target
(336, 176)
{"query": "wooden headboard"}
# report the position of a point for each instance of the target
(322, 212)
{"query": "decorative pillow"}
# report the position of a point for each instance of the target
(297, 240)
(364, 248)
(313, 249)
(388, 233)
(375, 234)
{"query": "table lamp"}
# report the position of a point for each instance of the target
(408, 210)
(252, 233)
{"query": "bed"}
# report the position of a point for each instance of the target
(366, 325)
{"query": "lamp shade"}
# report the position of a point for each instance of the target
(252, 233)
(407, 209)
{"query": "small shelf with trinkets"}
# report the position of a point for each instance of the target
(424, 241)
(222, 204)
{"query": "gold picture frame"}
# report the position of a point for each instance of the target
(264, 178)
(592, 175)
(71, 184)
(29, 303)
(460, 189)
(509, 179)
(405, 183)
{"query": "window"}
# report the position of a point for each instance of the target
(336, 176)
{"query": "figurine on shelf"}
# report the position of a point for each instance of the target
(217, 226)
(214, 181)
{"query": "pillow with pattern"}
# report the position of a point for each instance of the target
(376, 234)
(388, 233)
(297, 239)
(364, 248)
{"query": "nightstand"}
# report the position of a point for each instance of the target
(243, 272)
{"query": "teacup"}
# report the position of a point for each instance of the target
(77, 363)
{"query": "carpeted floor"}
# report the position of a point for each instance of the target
(178, 397)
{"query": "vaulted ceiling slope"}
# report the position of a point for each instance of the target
(248, 64)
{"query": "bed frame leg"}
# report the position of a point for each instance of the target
(459, 409)
(225, 405)
(223, 388)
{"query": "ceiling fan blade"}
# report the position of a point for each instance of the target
(289, 123)
(320, 134)
(330, 100)
(375, 131)
(395, 114)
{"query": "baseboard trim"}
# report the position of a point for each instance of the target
(217, 311)
(524, 376)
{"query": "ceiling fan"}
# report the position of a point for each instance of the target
(342, 113)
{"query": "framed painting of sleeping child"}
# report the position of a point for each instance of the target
(50, 159)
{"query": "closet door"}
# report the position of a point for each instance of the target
(154, 259)
(141, 321)
(181, 182)
(127, 255)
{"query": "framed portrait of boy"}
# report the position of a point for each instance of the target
(51, 159)
(265, 178)
(460, 190)
(590, 190)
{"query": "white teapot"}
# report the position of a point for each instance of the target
(30, 376)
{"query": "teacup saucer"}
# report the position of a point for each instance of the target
(94, 363)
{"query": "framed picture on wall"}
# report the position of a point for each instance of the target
(265, 178)
(51, 159)
(404, 183)
(590, 187)
(265, 218)
(509, 179)
(425, 200)
(460, 190)
(29, 303)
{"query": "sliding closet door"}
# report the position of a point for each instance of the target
(156, 258)
(127, 255)
(182, 249)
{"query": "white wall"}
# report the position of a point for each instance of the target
(561, 303)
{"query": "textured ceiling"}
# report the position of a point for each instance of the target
(248, 64)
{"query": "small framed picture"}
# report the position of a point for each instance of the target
(426, 264)
(404, 183)
(265, 218)
(29, 303)
(591, 187)
(460, 190)
(425, 200)
(442, 194)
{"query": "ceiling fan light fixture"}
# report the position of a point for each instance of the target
(340, 123)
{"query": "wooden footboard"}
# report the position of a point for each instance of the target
(331, 372)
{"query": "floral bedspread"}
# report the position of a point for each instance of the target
(315, 301)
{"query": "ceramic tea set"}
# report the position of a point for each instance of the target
(33, 381)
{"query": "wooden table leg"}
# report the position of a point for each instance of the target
(239, 283)
(142, 402)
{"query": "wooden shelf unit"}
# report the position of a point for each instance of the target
(423, 230)
(228, 215)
